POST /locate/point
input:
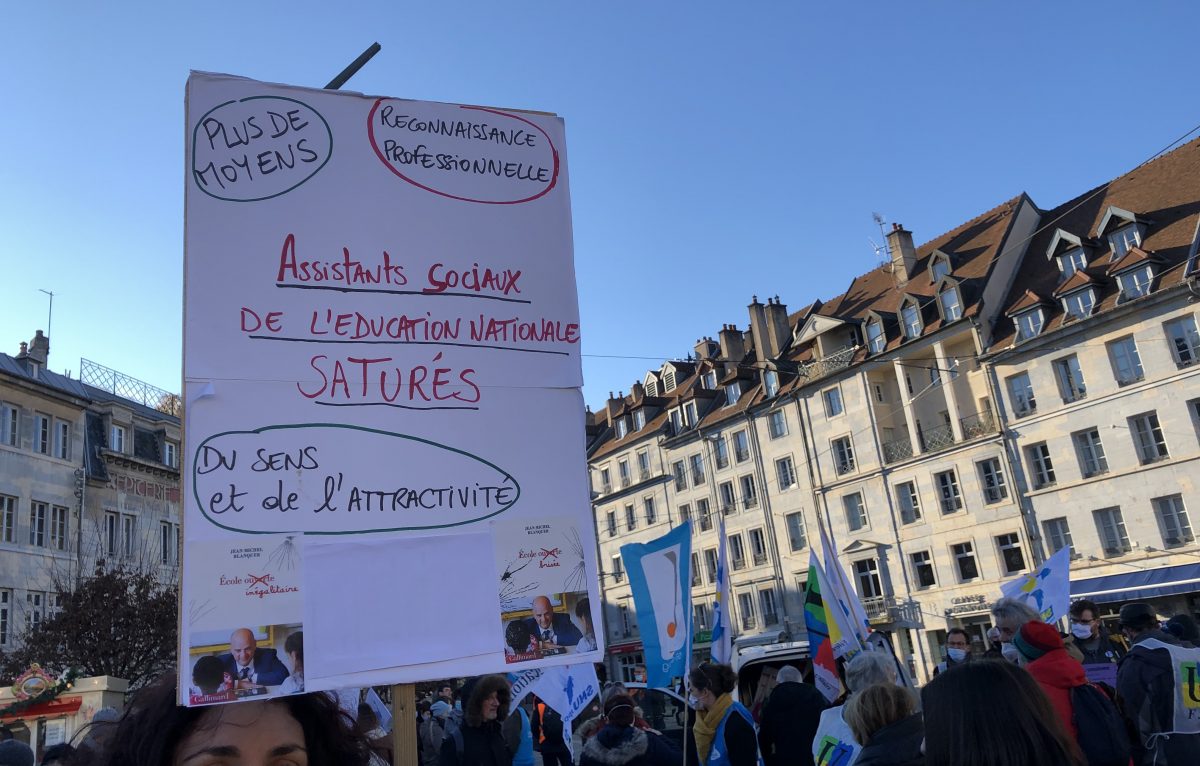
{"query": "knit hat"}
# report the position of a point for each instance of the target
(1035, 639)
(14, 752)
(440, 708)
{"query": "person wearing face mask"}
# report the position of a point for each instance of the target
(724, 728)
(1010, 614)
(958, 650)
(1091, 638)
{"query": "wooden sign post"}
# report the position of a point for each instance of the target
(406, 750)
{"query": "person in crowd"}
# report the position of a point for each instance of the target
(1009, 615)
(97, 734)
(210, 677)
(583, 612)
(992, 714)
(519, 638)
(834, 742)
(1183, 627)
(445, 692)
(789, 720)
(1040, 651)
(293, 647)
(884, 718)
(430, 733)
(724, 728)
(62, 754)
(993, 650)
(549, 735)
(251, 666)
(518, 735)
(620, 743)
(1091, 638)
(552, 629)
(958, 650)
(1146, 689)
(301, 729)
(14, 752)
(367, 725)
(479, 740)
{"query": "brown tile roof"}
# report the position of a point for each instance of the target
(1079, 279)
(1028, 300)
(1133, 256)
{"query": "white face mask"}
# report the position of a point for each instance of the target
(956, 654)
(1081, 631)
(694, 703)
(1010, 652)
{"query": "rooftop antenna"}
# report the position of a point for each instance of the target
(50, 314)
(882, 252)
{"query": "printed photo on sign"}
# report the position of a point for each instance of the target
(251, 663)
(545, 608)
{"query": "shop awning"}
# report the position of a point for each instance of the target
(51, 709)
(1132, 586)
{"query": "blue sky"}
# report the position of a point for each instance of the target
(717, 150)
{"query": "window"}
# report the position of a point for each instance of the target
(866, 573)
(1148, 438)
(10, 425)
(1124, 238)
(112, 533)
(876, 340)
(1070, 379)
(1041, 469)
(746, 607)
(58, 527)
(833, 402)
(770, 612)
(1079, 304)
(939, 268)
(685, 513)
(777, 424)
(54, 604)
(785, 472)
(618, 574)
(1135, 283)
(696, 573)
(62, 440)
(1058, 534)
(648, 506)
(35, 609)
(117, 440)
(5, 616)
(627, 629)
(668, 381)
(964, 560)
(710, 380)
(721, 452)
(728, 497)
(704, 514)
(1126, 364)
(922, 564)
(1012, 558)
(700, 617)
(697, 470)
(1090, 452)
(623, 473)
(909, 502)
(949, 498)
(1071, 261)
(612, 523)
(880, 396)
(622, 429)
(630, 517)
(639, 420)
(991, 476)
(749, 493)
(41, 433)
(8, 519)
(797, 540)
(168, 543)
(856, 512)
(1184, 340)
(605, 481)
(910, 316)
(771, 383)
(676, 422)
(1029, 324)
(710, 564)
(732, 393)
(689, 414)
(128, 535)
(643, 462)
(843, 455)
(1172, 520)
(1111, 526)
(737, 552)
(1020, 391)
(741, 448)
(951, 306)
(171, 454)
(680, 475)
(38, 517)
(758, 546)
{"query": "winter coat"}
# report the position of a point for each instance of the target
(789, 723)
(897, 744)
(430, 734)
(1057, 673)
(1145, 691)
(628, 746)
(483, 745)
(1098, 650)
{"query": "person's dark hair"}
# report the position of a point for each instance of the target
(961, 632)
(423, 706)
(208, 673)
(295, 645)
(483, 688)
(62, 753)
(619, 710)
(720, 679)
(992, 713)
(1084, 605)
(583, 609)
(1183, 627)
(367, 720)
(5, 734)
(153, 726)
(517, 635)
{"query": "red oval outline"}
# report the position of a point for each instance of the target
(391, 167)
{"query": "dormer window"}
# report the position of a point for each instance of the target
(951, 305)
(939, 268)
(669, 381)
(1135, 283)
(689, 414)
(622, 428)
(1124, 238)
(710, 380)
(652, 388)
(876, 340)
(771, 383)
(676, 421)
(910, 317)
(1079, 304)
(732, 393)
(1071, 261)
(1029, 324)
(639, 420)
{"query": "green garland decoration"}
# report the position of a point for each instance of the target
(65, 682)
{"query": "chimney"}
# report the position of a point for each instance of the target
(779, 332)
(636, 392)
(611, 407)
(24, 352)
(904, 255)
(702, 351)
(733, 348)
(758, 328)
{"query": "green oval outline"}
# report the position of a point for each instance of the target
(200, 505)
(196, 131)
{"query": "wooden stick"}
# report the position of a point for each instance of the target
(406, 749)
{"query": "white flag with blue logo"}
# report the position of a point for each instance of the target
(722, 635)
(660, 577)
(1047, 588)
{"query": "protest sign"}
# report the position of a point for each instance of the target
(384, 421)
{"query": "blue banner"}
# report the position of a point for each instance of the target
(660, 576)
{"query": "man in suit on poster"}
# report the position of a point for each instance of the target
(553, 629)
(251, 666)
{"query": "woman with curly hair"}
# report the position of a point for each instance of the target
(479, 740)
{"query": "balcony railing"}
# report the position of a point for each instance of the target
(937, 438)
(896, 450)
(748, 622)
(705, 524)
(625, 482)
(844, 467)
(751, 502)
(643, 474)
(978, 424)
(741, 455)
(728, 508)
(606, 488)
(760, 559)
(819, 368)
(889, 609)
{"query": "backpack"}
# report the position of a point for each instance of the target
(1101, 729)
(452, 729)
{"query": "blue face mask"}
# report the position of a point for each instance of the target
(956, 654)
